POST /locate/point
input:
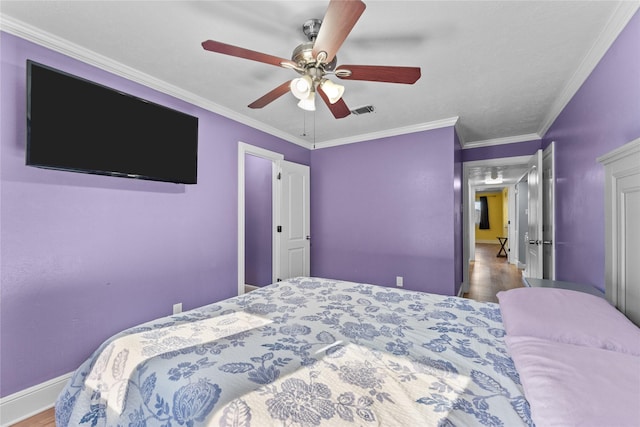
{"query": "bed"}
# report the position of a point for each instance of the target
(309, 352)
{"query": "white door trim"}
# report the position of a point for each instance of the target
(243, 149)
(535, 258)
(520, 228)
(511, 224)
(549, 206)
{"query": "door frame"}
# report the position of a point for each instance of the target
(275, 158)
(535, 217)
(549, 205)
(519, 230)
(468, 199)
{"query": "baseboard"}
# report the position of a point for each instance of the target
(521, 266)
(249, 288)
(491, 242)
(464, 288)
(26, 403)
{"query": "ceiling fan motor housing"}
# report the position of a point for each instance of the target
(303, 56)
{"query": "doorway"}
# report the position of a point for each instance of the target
(494, 266)
(279, 219)
(514, 177)
(258, 240)
(254, 153)
(480, 260)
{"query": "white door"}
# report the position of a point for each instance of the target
(548, 207)
(293, 232)
(535, 201)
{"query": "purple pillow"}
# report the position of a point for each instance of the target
(568, 385)
(568, 316)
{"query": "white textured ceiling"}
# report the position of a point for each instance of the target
(505, 69)
(510, 172)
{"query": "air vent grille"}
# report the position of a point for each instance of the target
(363, 110)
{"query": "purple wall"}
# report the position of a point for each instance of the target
(603, 115)
(526, 148)
(385, 208)
(84, 256)
(258, 221)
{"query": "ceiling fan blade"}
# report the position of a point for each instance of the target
(338, 21)
(271, 96)
(227, 49)
(376, 73)
(339, 109)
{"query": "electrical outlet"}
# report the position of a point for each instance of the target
(399, 281)
(177, 308)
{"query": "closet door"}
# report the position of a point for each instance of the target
(294, 229)
(622, 222)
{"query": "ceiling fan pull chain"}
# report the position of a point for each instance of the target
(304, 123)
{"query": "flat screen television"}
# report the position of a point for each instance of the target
(77, 125)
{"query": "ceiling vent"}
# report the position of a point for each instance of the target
(363, 110)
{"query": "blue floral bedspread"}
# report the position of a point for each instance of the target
(305, 352)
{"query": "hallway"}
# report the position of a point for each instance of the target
(489, 274)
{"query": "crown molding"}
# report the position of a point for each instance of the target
(615, 25)
(500, 141)
(618, 20)
(460, 135)
(437, 124)
(72, 50)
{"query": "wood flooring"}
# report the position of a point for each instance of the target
(43, 419)
(490, 274)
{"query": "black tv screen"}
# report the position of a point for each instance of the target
(77, 125)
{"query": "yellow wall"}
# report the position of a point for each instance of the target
(496, 213)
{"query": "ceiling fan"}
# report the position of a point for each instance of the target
(316, 59)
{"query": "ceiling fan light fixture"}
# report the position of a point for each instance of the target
(302, 87)
(493, 177)
(308, 103)
(491, 181)
(333, 91)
